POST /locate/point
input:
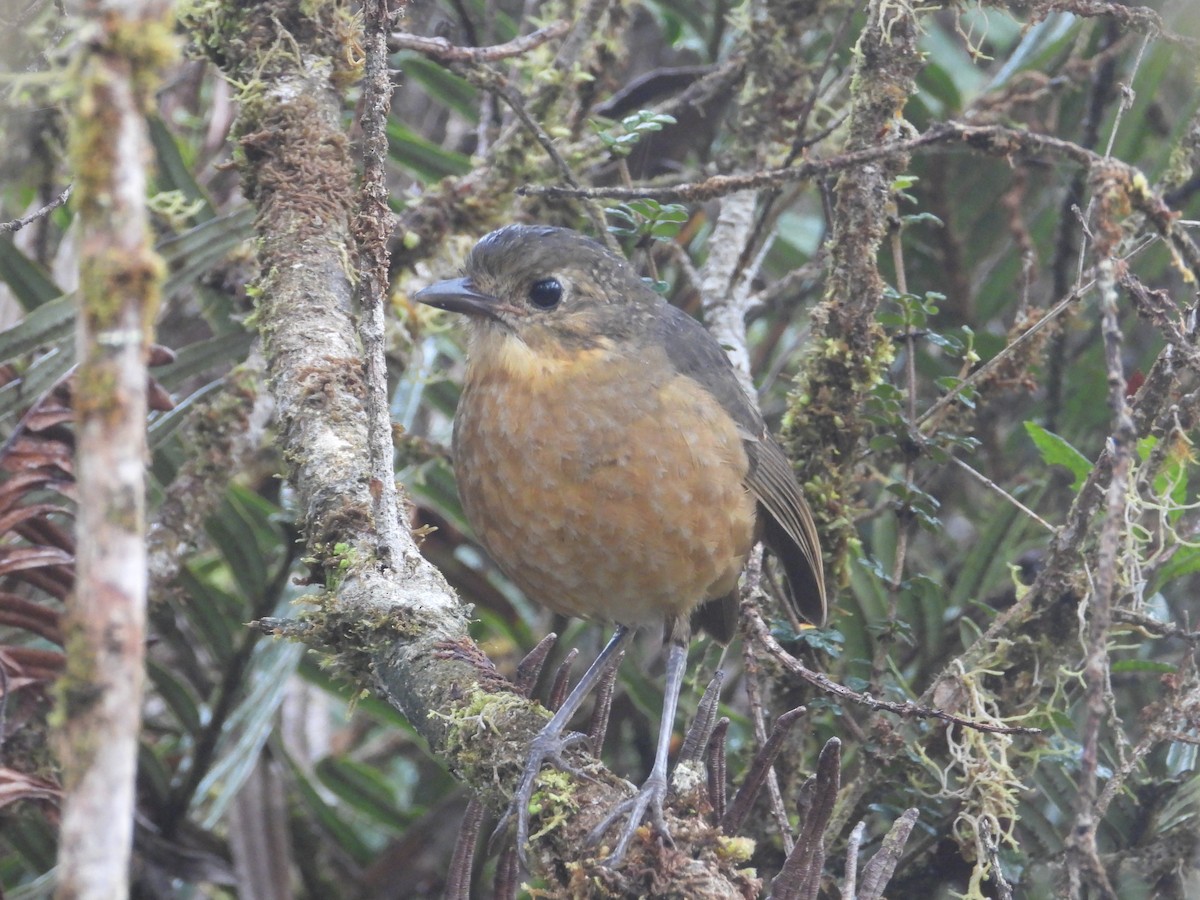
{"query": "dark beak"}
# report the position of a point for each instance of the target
(457, 295)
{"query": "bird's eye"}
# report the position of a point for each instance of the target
(546, 294)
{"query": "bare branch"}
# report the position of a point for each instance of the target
(17, 224)
(443, 51)
(996, 489)
(908, 710)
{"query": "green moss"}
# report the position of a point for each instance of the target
(149, 46)
(481, 711)
(735, 849)
(823, 419)
(113, 279)
(553, 802)
(90, 144)
(472, 730)
(75, 692)
(250, 42)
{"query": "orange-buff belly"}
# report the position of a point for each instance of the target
(600, 495)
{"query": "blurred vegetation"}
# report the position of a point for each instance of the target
(262, 775)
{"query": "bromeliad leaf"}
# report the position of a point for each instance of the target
(1056, 451)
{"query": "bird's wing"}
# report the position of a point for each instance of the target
(789, 529)
(788, 525)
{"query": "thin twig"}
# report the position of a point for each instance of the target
(904, 514)
(989, 138)
(988, 367)
(443, 51)
(1155, 627)
(996, 140)
(991, 842)
(1083, 860)
(373, 227)
(488, 79)
(766, 753)
(1157, 307)
(17, 224)
(1180, 737)
(909, 710)
(931, 418)
(992, 486)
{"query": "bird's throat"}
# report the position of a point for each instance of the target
(500, 353)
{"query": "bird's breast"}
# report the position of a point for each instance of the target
(606, 486)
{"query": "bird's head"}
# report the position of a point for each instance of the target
(553, 290)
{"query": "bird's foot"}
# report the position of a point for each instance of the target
(547, 747)
(649, 799)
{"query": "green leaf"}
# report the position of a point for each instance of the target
(664, 230)
(177, 695)
(423, 158)
(195, 359)
(38, 378)
(154, 777)
(1143, 665)
(29, 282)
(47, 324)
(249, 726)
(1057, 452)
(364, 789)
(236, 540)
(1185, 561)
(945, 341)
(213, 612)
(345, 837)
(440, 84)
(168, 423)
(195, 251)
(827, 640)
(241, 529)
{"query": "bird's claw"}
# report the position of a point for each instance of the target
(545, 748)
(650, 799)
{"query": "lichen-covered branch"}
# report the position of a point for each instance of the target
(373, 226)
(850, 352)
(100, 694)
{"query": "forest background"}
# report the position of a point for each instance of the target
(953, 245)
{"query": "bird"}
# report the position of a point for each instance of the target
(613, 466)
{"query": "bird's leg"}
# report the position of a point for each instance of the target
(550, 742)
(652, 794)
